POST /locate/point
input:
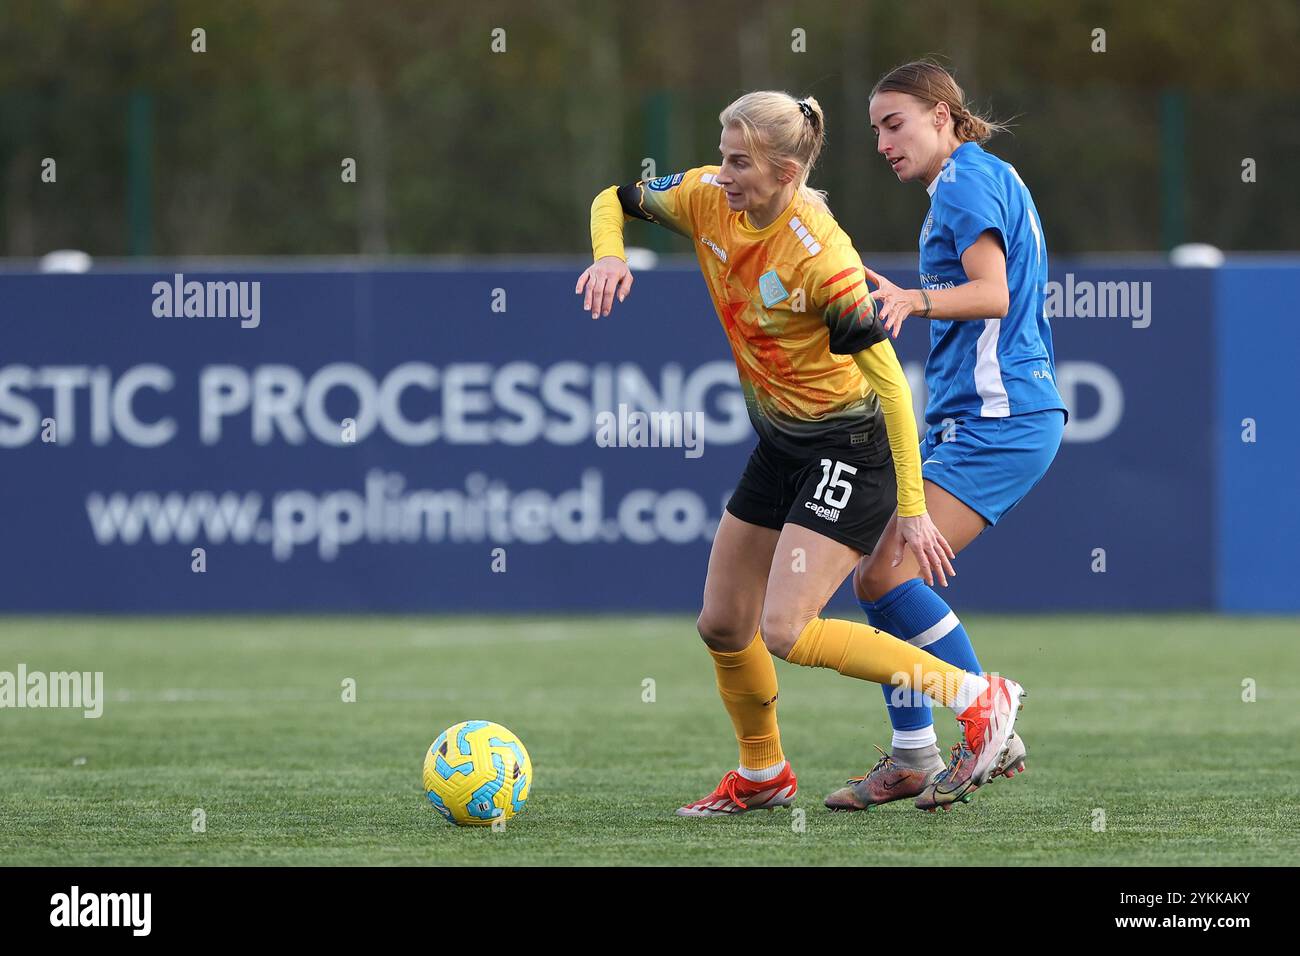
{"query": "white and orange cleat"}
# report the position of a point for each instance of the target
(736, 794)
(987, 727)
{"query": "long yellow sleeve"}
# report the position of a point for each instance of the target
(607, 218)
(880, 365)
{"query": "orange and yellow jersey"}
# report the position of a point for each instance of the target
(818, 372)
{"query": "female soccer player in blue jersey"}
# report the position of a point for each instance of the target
(993, 416)
(831, 408)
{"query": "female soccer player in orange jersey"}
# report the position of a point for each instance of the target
(829, 402)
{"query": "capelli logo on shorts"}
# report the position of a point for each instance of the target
(830, 514)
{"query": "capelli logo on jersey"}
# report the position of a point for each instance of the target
(717, 250)
(929, 224)
(830, 514)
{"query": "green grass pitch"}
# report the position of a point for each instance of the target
(1137, 718)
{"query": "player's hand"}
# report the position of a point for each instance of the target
(605, 277)
(928, 546)
(895, 304)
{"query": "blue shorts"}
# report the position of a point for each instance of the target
(989, 464)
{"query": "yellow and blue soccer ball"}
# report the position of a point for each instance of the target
(477, 772)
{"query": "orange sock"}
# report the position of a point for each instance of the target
(867, 653)
(747, 684)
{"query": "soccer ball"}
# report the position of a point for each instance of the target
(477, 772)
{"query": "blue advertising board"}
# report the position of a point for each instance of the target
(426, 440)
(1258, 428)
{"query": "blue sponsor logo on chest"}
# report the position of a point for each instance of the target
(769, 286)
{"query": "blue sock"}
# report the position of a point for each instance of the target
(912, 714)
(914, 613)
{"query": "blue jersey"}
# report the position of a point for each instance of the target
(992, 368)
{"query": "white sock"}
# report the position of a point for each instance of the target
(764, 775)
(972, 685)
(915, 739)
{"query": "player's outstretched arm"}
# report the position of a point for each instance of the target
(665, 201)
(608, 275)
(984, 296)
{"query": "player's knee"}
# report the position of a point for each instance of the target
(780, 629)
(871, 580)
(721, 633)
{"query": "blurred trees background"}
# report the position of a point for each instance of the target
(237, 151)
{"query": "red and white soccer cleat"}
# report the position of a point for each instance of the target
(987, 726)
(735, 794)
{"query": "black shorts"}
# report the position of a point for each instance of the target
(849, 498)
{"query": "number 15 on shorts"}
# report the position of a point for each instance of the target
(833, 482)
